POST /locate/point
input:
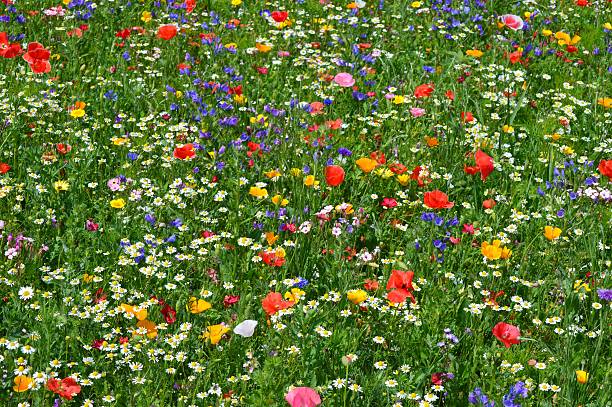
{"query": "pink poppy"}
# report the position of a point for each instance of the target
(417, 111)
(512, 22)
(344, 79)
(303, 397)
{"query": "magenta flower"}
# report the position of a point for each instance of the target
(344, 79)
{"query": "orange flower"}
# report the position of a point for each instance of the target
(274, 302)
(22, 383)
(366, 164)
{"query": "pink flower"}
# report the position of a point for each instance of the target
(512, 22)
(303, 397)
(114, 184)
(417, 111)
(388, 203)
(344, 79)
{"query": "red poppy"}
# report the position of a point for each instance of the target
(437, 200)
(38, 58)
(378, 156)
(4, 168)
(236, 90)
(450, 95)
(423, 91)
(489, 203)
(467, 117)
(334, 124)
(190, 5)
(508, 334)
(63, 149)
(66, 388)
(184, 152)
(274, 302)
(371, 285)
(271, 259)
(334, 175)
(582, 3)
(230, 300)
(515, 56)
(605, 168)
(169, 313)
(8, 50)
(167, 32)
(484, 165)
(398, 168)
(388, 203)
(401, 283)
(279, 16)
(416, 175)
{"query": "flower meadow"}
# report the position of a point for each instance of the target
(303, 203)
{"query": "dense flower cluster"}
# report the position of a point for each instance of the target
(305, 203)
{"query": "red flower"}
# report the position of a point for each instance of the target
(125, 33)
(167, 32)
(274, 302)
(184, 152)
(371, 285)
(605, 168)
(489, 203)
(401, 283)
(423, 91)
(388, 203)
(169, 314)
(262, 70)
(230, 300)
(38, 58)
(334, 175)
(279, 16)
(8, 50)
(450, 95)
(582, 3)
(271, 259)
(467, 117)
(437, 200)
(63, 149)
(398, 168)
(508, 334)
(66, 388)
(467, 228)
(190, 5)
(4, 168)
(484, 163)
(416, 175)
(379, 157)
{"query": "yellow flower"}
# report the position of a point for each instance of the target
(474, 53)
(139, 313)
(578, 284)
(240, 99)
(415, 4)
(546, 33)
(215, 332)
(279, 200)
(196, 306)
(552, 233)
(508, 129)
(271, 238)
(296, 172)
(76, 113)
(117, 203)
(403, 179)
(608, 26)
(398, 99)
(295, 295)
(119, 141)
(280, 252)
(236, 3)
(22, 383)
(310, 181)
(61, 185)
(272, 174)
(258, 192)
(581, 376)
(366, 164)
(88, 278)
(231, 45)
(491, 251)
(605, 102)
(146, 16)
(149, 326)
(356, 296)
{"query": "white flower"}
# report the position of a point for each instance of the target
(245, 328)
(25, 293)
